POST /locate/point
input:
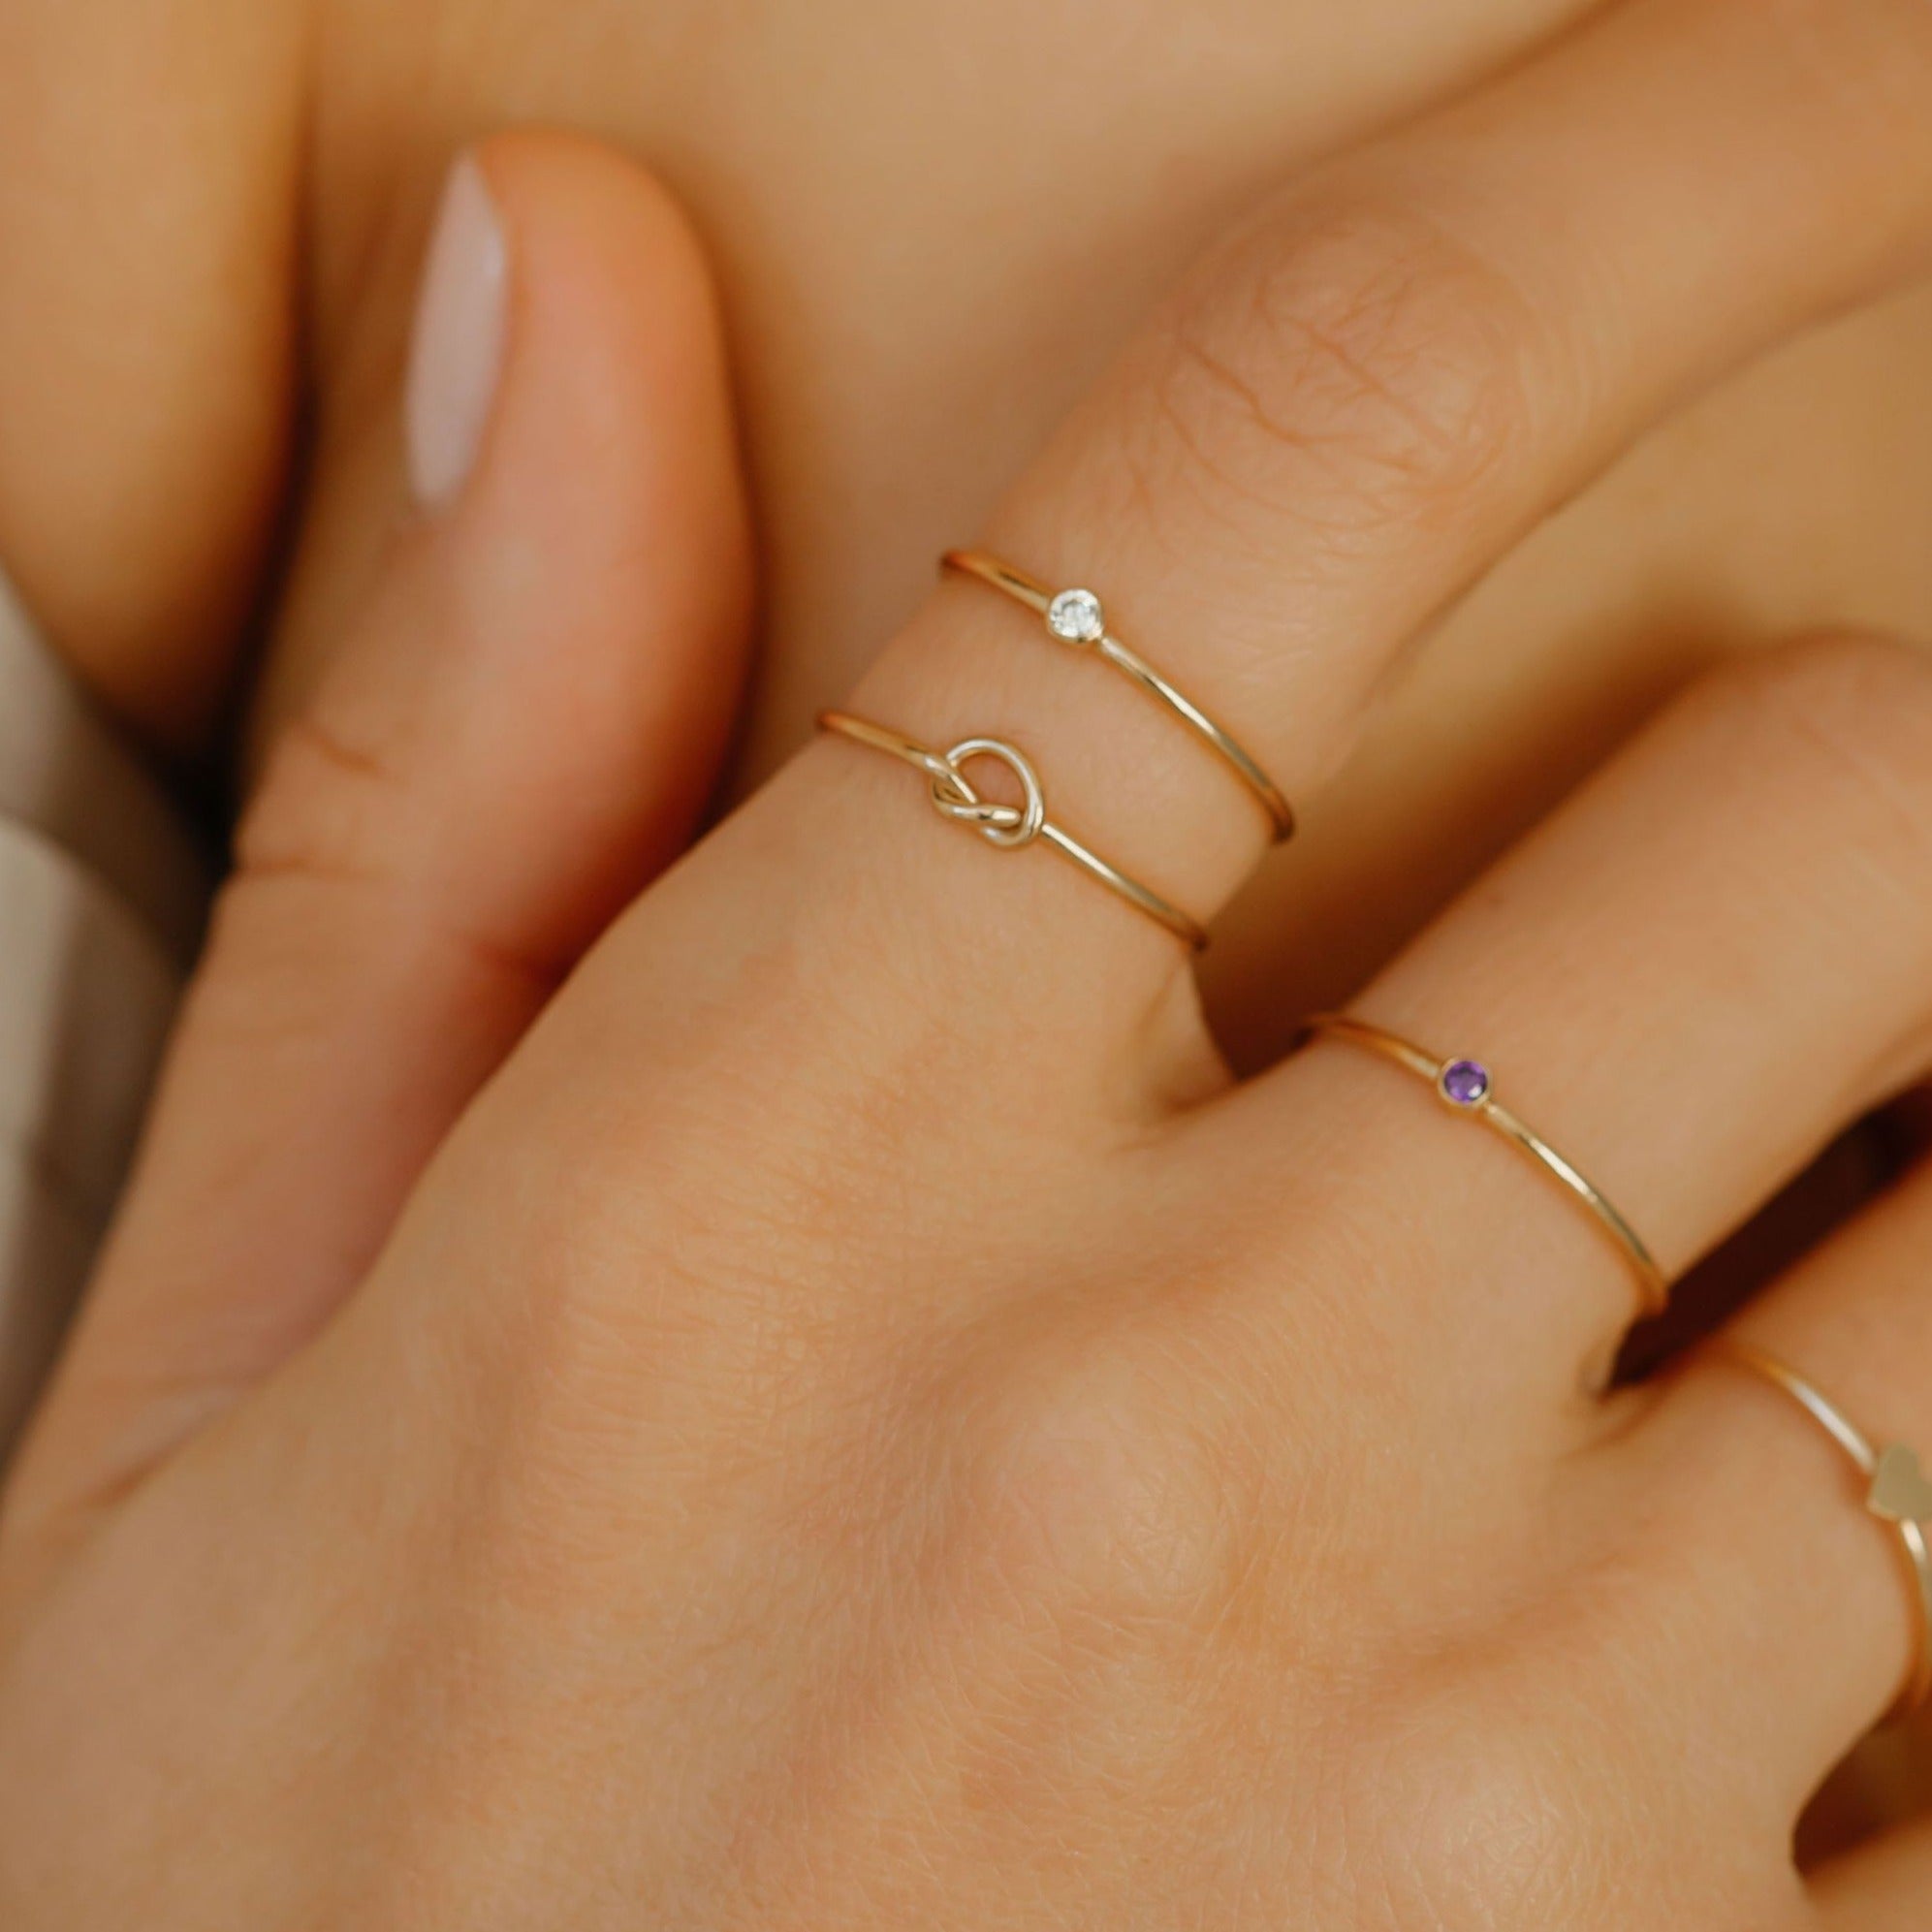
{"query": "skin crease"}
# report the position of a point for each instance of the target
(933, 226)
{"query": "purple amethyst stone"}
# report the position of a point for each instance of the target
(1464, 1083)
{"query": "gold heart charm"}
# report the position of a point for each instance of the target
(1900, 1492)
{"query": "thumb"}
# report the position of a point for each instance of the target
(523, 729)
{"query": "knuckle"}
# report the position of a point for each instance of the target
(1366, 362)
(1101, 1485)
(1846, 724)
(1872, 58)
(1464, 1818)
(322, 808)
(1854, 661)
(328, 853)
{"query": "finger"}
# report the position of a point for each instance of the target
(1347, 414)
(1638, 982)
(1806, 1626)
(522, 732)
(1885, 1888)
(150, 161)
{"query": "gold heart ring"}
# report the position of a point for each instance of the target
(1900, 1492)
(1897, 1494)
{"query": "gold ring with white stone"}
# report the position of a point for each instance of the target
(1077, 618)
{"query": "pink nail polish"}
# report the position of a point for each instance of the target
(461, 322)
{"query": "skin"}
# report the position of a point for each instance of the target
(915, 296)
(824, 1422)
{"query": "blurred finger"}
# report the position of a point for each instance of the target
(522, 732)
(150, 167)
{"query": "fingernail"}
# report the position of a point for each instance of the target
(456, 358)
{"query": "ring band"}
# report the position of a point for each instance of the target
(1010, 828)
(1467, 1087)
(1897, 1495)
(1077, 618)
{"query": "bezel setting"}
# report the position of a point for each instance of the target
(1465, 1084)
(1077, 616)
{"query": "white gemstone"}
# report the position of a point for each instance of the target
(1075, 617)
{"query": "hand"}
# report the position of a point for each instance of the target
(253, 180)
(860, 1424)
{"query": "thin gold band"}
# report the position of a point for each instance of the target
(1465, 1086)
(1008, 827)
(1076, 617)
(1895, 1495)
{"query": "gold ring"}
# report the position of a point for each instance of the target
(1467, 1087)
(1077, 618)
(1896, 1494)
(1009, 827)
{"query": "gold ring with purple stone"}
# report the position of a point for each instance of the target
(1467, 1087)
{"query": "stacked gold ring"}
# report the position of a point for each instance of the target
(1075, 617)
(1078, 618)
(1010, 828)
